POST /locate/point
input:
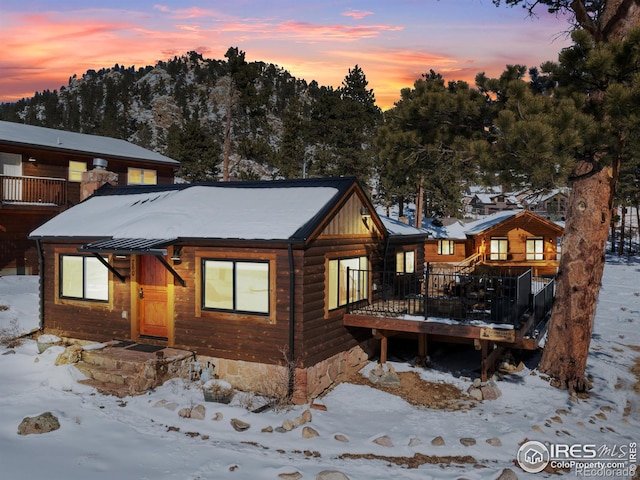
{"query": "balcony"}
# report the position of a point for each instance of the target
(22, 190)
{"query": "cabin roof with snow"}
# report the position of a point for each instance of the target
(156, 216)
(460, 230)
(396, 228)
(19, 134)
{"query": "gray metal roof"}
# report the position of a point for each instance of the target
(19, 134)
(128, 245)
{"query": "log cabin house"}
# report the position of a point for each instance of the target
(41, 174)
(512, 240)
(251, 276)
(263, 280)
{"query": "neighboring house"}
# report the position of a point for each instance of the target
(41, 172)
(251, 276)
(479, 287)
(488, 203)
(510, 240)
(550, 205)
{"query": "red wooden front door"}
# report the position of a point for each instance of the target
(152, 297)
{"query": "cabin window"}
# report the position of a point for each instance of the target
(141, 176)
(348, 281)
(235, 286)
(535, 248)
(445, 247)
(75, 170)
(83, 278)
(406, 262)
(499, 249)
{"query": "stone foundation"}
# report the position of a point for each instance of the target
(273, 380)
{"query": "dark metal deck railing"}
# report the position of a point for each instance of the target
(498, 298)
(33, 190)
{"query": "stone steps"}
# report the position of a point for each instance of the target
(119, 371)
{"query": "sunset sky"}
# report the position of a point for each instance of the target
(394, 42)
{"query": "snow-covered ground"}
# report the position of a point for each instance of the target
(102, 437)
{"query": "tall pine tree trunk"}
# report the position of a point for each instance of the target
(623, 224)
(580, 273)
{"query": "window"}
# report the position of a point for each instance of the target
(235, 286)
(406, 262)
(75, 170)
(83, 278)
(141, 176)
(535, 248)
(445, 247)
(357, 281)
(499, 249)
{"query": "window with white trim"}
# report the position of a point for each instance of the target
(348, 281)
(535, 248)
(235, 286)
(83, 278)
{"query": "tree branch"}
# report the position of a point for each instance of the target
(584, 20)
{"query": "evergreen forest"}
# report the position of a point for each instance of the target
(236, 120)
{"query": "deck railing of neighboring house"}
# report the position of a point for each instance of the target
(470, 262)
(33, 190)
(498, 298)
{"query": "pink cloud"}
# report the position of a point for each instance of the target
(333, 32)
(356, 14)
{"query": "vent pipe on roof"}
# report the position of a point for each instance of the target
(100, 163)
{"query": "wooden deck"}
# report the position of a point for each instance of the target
(491, 338)
(491, 310)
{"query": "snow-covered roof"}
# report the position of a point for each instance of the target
(478, 226)
(461, 230)
(452, 231)
(271, 210)
(397, 228)
(60, 140)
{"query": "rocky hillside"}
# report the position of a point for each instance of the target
(256, 115)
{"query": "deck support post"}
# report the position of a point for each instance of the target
(383, 349)
(383, 335)
(490, 355)
(484, 348)
(422, 345)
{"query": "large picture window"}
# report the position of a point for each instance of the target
(235, 286)
(445, 247)
(406, 262)
(83, 278)
(348, 281)
(499, 249)
(535, 248)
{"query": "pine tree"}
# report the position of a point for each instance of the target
(195, 149)
(424, 133)
(596, 73)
